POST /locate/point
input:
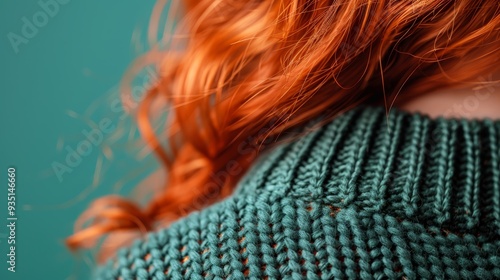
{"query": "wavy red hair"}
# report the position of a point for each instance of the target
(238, 75)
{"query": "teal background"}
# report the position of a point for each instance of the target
(72, 62)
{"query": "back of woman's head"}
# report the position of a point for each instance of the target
(238, 73)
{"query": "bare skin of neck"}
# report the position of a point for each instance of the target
(477, 102)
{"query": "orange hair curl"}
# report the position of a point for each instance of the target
(239, 73)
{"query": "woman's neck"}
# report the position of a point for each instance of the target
(477, 102)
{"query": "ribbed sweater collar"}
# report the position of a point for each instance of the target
(438, 172)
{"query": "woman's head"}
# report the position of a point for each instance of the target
(238, 73)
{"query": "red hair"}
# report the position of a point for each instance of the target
(238, 73)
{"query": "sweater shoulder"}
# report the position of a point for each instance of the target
(363, 188)
(222, 239)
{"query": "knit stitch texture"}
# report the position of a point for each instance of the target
(369, 195)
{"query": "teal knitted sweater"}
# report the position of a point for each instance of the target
(369, 195)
